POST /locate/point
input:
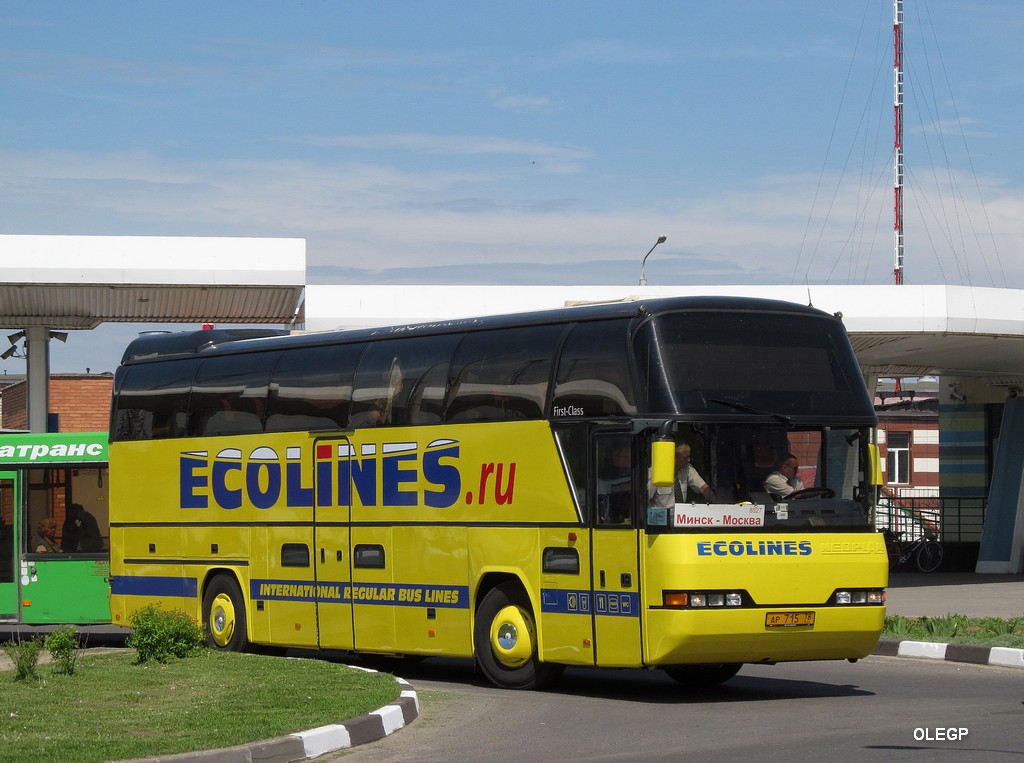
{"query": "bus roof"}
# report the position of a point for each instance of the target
(231, 341)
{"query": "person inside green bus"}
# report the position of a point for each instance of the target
(81, 532)
(47, 530)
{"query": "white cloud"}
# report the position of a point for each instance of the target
(457, 145)
(526, 103)
(365, 219)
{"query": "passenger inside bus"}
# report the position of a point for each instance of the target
(689, 486)
(47, 529)
(81, 532)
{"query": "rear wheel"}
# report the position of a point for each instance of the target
(224, 613)
(505, 638)
(929, 556)
(703, 676)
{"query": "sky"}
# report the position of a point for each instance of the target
(522, 142)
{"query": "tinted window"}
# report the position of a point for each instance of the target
(573, 441)
(614, 490)
(502, 374)
(152, 400)
(775, 362)
(229, 394)
(294, 555)
(402, 381)
(311, 388)
(593, 372)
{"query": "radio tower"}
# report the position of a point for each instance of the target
(897, 66)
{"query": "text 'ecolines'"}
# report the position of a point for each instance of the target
(377, 475)
(754, 548)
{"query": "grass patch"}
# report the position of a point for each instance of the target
(112, 709)
(956, 629)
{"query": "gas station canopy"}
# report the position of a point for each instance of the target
(79, 282)
(49, 283)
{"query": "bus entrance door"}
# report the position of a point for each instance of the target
(614, 560)
(616, 599)
(331, 543)
(8, 547)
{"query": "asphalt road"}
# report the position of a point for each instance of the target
(880, 709)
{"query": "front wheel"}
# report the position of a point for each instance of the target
(702, 676)
(929, 556)
(505, 641)
(224, 614)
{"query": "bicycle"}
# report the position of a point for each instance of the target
(925, 551)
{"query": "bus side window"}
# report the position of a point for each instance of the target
(502, 375)
(426, 397)
(593, 372)
(311, 388)
(152, 400)
(572, 445)
(389, 374)
(229, 394)
(614, 480)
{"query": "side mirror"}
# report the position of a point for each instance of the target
(874, 465)
(663, 462)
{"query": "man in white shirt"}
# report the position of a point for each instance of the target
(783, 481)
(687, 478)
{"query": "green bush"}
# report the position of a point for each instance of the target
(62, 644)
(24, 655)
(159, 634)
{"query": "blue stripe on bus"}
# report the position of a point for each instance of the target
(609, 603)
(152, 585)
(334, 592)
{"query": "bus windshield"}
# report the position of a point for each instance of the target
(771, 364)
(742, 477)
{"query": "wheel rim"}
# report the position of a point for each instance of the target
(222, 620)
(931, 557)
(512, 637)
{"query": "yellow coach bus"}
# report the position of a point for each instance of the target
(681, 484)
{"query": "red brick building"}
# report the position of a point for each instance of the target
(78, 402)
(908, 438)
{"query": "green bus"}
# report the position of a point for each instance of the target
(54, 528)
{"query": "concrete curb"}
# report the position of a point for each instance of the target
(305, 745)
(977, 655)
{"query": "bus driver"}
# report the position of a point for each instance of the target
(783, 480)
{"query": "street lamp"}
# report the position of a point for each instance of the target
(643, 266)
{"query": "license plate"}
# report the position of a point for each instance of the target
(788, 619)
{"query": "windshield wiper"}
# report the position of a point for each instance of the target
(786, 420)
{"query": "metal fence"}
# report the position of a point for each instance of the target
(950, 519)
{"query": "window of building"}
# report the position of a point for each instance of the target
(898, 458)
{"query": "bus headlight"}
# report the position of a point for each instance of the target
(863, 596)
(701, 599)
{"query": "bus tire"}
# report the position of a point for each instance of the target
(703, 676)
(224, 615)
(505, 639)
